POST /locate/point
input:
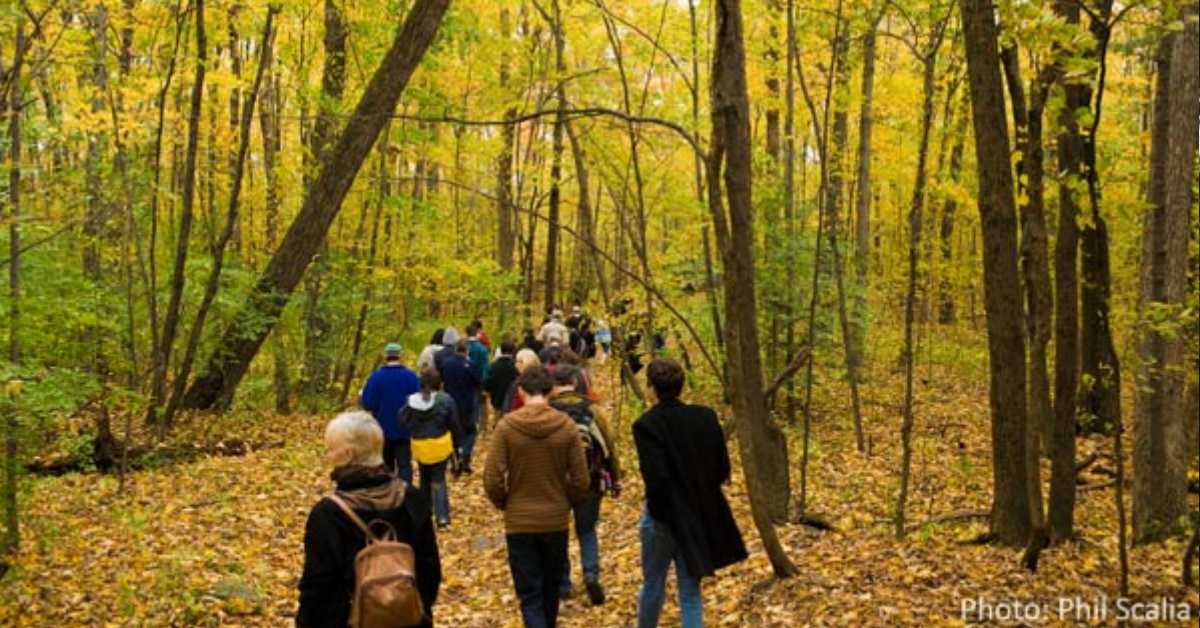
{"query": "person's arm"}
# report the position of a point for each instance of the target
(652, 461)
(428, 564)
(368, 398)
(495, 471)
(321, 574)
(602, 424)
(453, 421)
(579, 481)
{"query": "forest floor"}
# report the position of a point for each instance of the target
(218, 540)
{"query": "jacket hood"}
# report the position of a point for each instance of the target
(537, 420)
(450, 337)
(369, 488)
(417, 401)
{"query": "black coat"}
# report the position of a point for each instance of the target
(331, 541)
(683, 460)
(501, 374)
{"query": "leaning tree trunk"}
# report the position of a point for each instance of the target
(1010, 518)
(1161, 443)
(245, 334)
(761, 443)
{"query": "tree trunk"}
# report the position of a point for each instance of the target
(268, 120)
(242, 338)
(96, 213)
(915, 229)
(1010, 518)
(550, 287)
(1161, 444)
(12, 537)
(505, 214)
(171, 318)
(581, 254)
(1027, 122)
(318, 332)
(862, 215)
(947, 311)
(763, 448)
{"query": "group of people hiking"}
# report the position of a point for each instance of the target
(371, 553)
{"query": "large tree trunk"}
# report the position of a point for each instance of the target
(242, 338)
(1161, 444)
(171, 317)
(318, 332)
(1010, 518)
(762, 445)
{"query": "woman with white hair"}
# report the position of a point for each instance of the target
(516, 398)
(354, 446)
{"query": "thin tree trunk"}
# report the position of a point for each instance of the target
(171, 320)
(1010, 519)
(550, 287)
(581, 255)
(947, 311)
(271, 139)
(12, 538)
(231, 220)
(96, 216)
(242, 338)
(915, 229)
(505, 236)
(862, 215)
(762, 444)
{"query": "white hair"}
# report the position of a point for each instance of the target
(526, 358)
(354, 438)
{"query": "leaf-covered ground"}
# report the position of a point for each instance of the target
(217, 541)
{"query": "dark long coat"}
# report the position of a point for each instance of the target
(684, 462)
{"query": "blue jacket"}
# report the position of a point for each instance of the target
(479, 358)
(386, 393)
(460, 381)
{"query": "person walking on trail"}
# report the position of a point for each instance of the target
(603, 475)
(515, 399)
(553, 332)
(531, 341)
(384, 395)
(462, 383)
(450, 340)
(425, 359)
(687, 521)
(502, 374)
(432, 418)
(536, 469)
(478, 354)
(481, 334)
(332, 538)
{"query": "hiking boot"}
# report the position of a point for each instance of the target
(595, 592)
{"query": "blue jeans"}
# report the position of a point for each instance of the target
(538, 563)
(587, 515)
(397, 454)
(433, 488)
(658, 552)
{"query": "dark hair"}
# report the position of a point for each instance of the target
(666, 378)
(508, 346)
(477, 324)
(473, 328)
(566, 356)
(567, 375)
(436, 339)
(536, 381)
(461, 347)
(430, 379)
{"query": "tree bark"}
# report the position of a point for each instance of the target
(581, 255)
(505, 215)
(242, 338)
(1010, 521)
(862, 215)
(269, 125)
(14, 107)
(947, 310)
(1161, 445)
(550, 287)
(763, 447)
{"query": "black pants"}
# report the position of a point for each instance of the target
(538, 562)
(397, 454)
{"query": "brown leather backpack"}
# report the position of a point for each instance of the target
(385, 581)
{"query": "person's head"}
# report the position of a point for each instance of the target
(536, 382)
(527, 358)
(437, 336)
(507, 346)
(566, 377)
(391, 352)
(477, 325)
(354, 439)
(472, 328)
(431, 380)
(666, 378)
(450, 337)
(566, 356)
(461, 347)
